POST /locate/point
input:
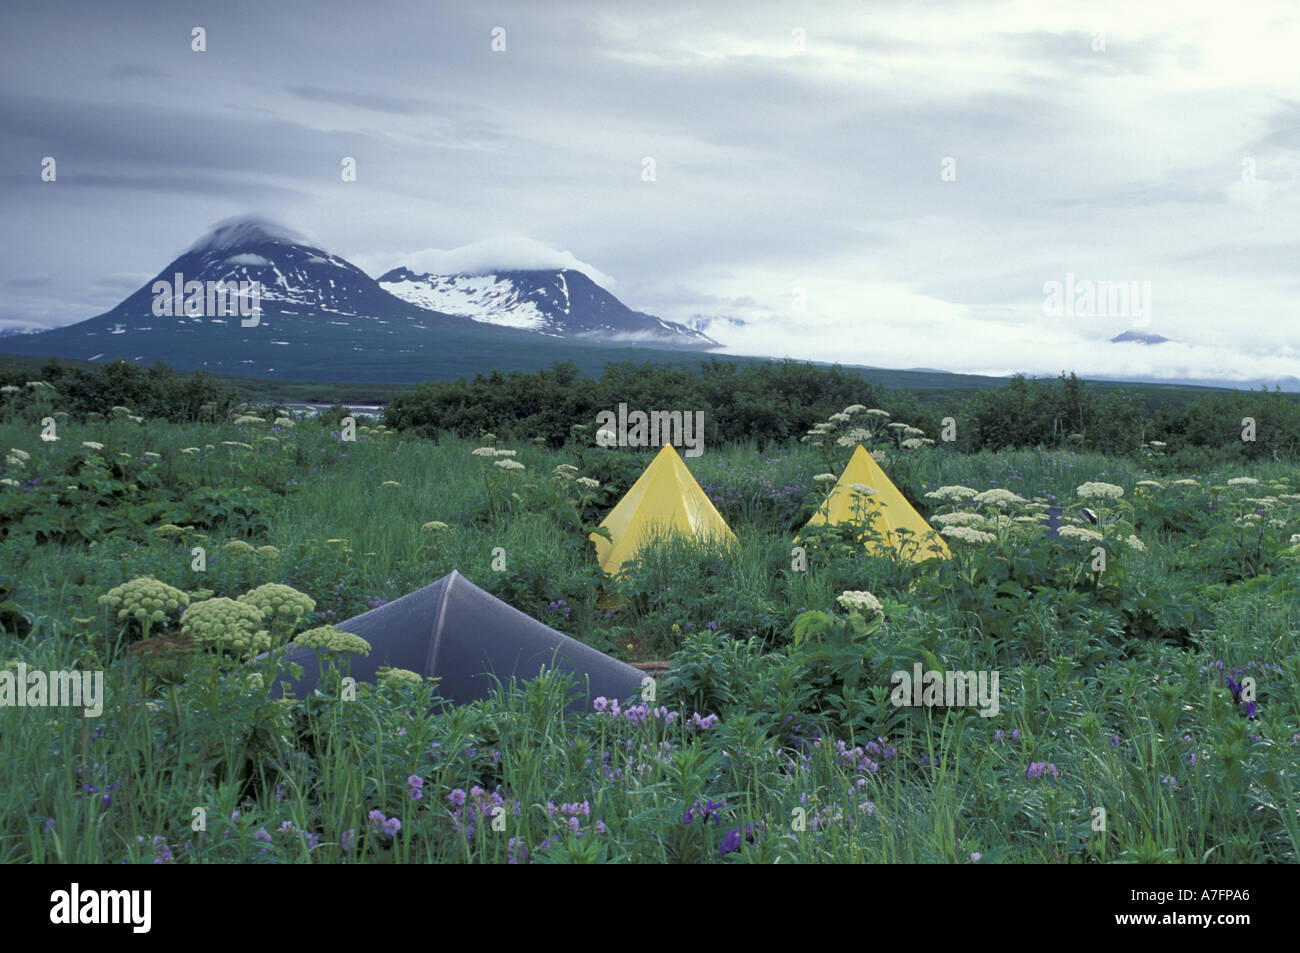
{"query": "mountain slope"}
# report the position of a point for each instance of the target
(564, 303)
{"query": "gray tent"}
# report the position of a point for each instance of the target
(469, 639)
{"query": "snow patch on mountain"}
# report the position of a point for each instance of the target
(485, 298)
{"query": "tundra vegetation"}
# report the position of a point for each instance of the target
(1147, 655)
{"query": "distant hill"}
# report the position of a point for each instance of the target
(1137, 337)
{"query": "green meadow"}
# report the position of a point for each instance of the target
(1147, 663)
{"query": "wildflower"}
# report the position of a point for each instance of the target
(1038, 768)
(1242, 481)
(1152, 483)
(457, 797)
(91, 444)
(588, 482)
(600, 704)
(859, 599)
(968, 534)
(484, 452)
(226, 624)
(435, 526)
(825, 477)
(503, 453)
(959, 518)
(839, 418)
(330, 640)
(1102, 491)
(414, 787)
(862, 488)
(510, 465)
(279, 601)
(1079, 533)
(398, 676)
(706, 808)
(1136, 543)
(390, 483)
(144, 599)
(999, 498)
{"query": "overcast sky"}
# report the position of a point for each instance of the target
(804, 190)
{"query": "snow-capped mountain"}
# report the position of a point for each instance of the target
(562, 303)
(323, 318)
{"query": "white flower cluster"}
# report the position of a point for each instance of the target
(1100, 491)
(960, 518)
(952, 493)
(860, 600)
(999, 498)
(968, 534)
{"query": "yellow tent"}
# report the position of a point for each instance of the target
(663, 500)
(891, 511)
